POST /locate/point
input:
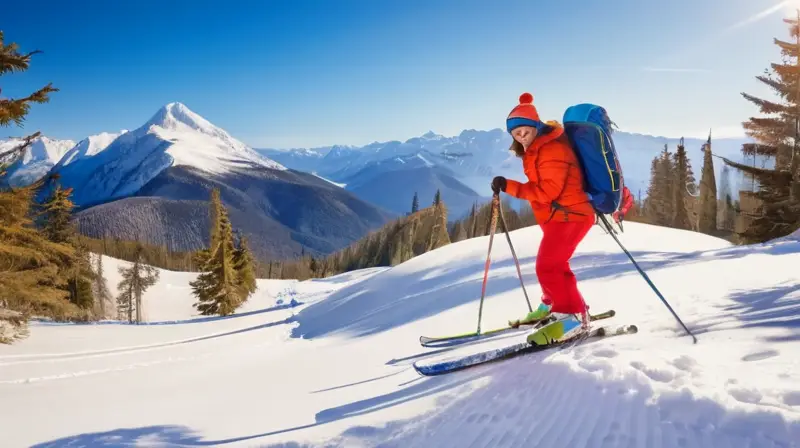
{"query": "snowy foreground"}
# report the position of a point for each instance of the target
(336, 370)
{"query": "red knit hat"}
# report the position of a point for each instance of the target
(524, 114)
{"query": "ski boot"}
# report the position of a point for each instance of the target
(538, 315)
(563, 328)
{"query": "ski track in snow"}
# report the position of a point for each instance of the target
(335, 370)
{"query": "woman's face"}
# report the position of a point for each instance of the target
(524, 135)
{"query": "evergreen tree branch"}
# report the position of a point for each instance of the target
(15, 110)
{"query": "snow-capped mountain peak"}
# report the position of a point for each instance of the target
(173, 136)
(176, 116)
(430, 135)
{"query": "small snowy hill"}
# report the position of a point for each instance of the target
(336, 369)
(39, 158)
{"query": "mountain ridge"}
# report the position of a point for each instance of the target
(475, 156)
(151, 184)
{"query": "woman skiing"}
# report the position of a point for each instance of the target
(562, 210)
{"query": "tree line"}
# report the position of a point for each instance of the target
(676, 199)
(772, 209)
(775, 209)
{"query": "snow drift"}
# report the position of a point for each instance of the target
(335, 370)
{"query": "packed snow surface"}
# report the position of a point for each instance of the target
(335, 370)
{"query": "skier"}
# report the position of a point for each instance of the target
(563, 211)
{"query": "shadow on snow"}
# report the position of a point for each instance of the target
(773, 307)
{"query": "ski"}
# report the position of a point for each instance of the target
(450, 341)
(453, 363)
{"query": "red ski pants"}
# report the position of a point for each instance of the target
(559, 286)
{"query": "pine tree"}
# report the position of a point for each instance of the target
(659, 206)
(244, 266)
(136, 279)
(472, 222)
(681, 196)
(651, 205)
(80, 279)
(415, 203)
(777, 138)
(459, 232)
(666, 175)
(57, 214)
(216, 222)
(437, 198)
(14, 111)
(726, 216)
(439, 236)
(217, 288)
(101, 292)
(729, 214)
(707, 221)
(30, 277)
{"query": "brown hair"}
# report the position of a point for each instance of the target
(516, 148)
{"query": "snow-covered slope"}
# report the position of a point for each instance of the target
(39, 158)
(174, 136)
(338, 372)
(88, 147)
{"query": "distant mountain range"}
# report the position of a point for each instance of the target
(463, 166)
(153, 184)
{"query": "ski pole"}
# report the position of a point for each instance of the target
(646, 278)
(492, 227)
(514, 254)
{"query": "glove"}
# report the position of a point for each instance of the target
(618, 216)
(498, 184)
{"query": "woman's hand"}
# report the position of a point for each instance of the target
(498, 184)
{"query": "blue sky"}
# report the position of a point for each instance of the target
(302, 73)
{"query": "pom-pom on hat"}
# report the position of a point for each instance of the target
(523, 114)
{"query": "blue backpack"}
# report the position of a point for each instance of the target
(589, 131)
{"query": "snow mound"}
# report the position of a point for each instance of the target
(340, 361)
